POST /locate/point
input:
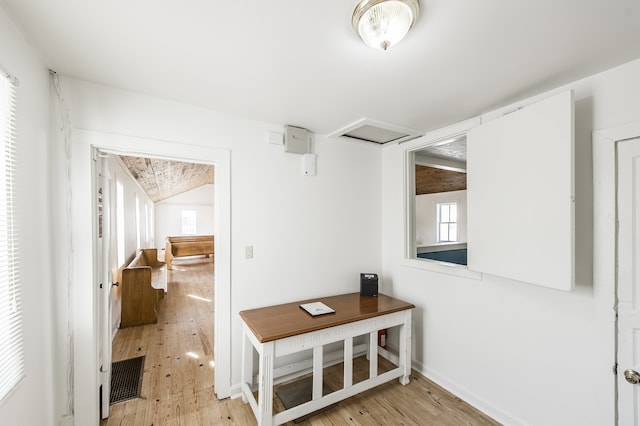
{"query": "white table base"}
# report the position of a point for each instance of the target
(269, 351)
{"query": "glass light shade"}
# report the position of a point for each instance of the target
(383, 23)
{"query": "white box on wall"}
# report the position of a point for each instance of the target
(309, 164)
(297, 140)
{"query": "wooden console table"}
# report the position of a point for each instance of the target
(285, 329)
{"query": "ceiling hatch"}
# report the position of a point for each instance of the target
(378, 132)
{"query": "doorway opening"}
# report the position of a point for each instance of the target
(171, 321)
(84, 257)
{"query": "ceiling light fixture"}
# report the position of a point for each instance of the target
(383, 23)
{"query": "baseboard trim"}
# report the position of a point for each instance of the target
(470, 398)
(461, 392)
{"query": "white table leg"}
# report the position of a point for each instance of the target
(265, 385)
(373, 354)
(247, 363)
(405, 348)
(348, 363)
(318, 364)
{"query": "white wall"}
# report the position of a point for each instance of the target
(427, 215)
(312, 235)
(525, 354)
(32, 402)
(168, 213)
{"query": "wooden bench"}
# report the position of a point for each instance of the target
(144, 283)
(193, 245)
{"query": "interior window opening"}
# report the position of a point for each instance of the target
(439, 194)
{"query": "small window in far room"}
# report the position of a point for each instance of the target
(188, 222)
(138, 230)
(447, 222)
(120, 222)
(146, 224)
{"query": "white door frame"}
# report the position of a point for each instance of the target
(604, 242)
(102, 238)
(85, 298)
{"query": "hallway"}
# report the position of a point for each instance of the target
(177, 387)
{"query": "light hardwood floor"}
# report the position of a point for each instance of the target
(177, 386)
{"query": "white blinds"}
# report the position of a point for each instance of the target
(11, 350)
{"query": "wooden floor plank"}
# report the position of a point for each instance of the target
(177, 386)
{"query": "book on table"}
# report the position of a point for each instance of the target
(317, 308)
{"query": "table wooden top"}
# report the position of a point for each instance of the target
(289, 319)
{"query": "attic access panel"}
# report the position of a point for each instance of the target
(378, 132)
(374, 134)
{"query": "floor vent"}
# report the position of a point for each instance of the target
(126, 379)
(298, 392)
(378, 132)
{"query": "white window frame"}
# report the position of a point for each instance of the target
(189, 225)
(11, 334)
(138, 230)
(449, 223)
(120, 225)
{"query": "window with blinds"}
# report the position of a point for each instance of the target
(11, 347)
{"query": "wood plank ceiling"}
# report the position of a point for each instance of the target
(430, 180)
(162, 179)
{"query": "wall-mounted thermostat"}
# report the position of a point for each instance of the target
(297, 140)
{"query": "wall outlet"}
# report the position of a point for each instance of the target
(248, 252)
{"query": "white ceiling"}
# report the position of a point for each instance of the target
(298, 62)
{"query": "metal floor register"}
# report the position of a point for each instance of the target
(126, 379)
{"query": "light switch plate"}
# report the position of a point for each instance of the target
(275, 138)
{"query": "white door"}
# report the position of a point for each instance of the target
(628, 280)
(104, 276)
